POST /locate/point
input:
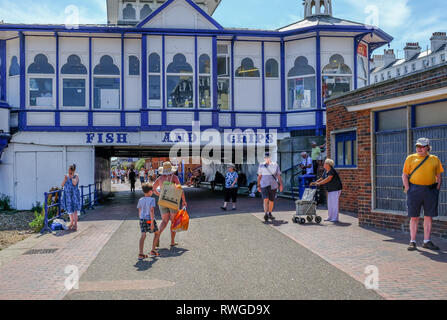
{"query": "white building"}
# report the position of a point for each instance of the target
(83, 95)
(387, 66)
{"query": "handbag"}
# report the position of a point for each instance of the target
(170, 196)
(420, 165)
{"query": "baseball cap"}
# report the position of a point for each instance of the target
(423, 142)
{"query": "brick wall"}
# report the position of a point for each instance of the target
(357, 183)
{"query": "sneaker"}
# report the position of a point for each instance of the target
(431, 246)
(412, 246)
(223, 208)
(266, 218)
(271, 217)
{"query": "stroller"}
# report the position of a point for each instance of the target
(306, 208)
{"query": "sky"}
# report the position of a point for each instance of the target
(405, 20)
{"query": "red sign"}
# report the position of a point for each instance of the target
(362, 50)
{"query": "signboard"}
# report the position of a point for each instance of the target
(362, 50)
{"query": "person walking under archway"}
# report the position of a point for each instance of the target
(168, 177)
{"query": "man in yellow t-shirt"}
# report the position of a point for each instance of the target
(422, 181)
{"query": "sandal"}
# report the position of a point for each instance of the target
(154, 253)
(141, 257)
(174, 245)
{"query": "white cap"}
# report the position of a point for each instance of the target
(423, 142)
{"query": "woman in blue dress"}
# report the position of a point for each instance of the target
(231, 187)
(71, 198)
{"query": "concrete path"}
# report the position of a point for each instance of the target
(224, 255)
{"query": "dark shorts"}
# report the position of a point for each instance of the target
(146, 227)
(268, 193)
(419, 197)
(231, 194)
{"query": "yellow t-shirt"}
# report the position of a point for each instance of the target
(426, 174)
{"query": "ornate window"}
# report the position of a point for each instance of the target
(145, 11)
(154, 80)
(180, 83)
(41, 91)
(129, 13)
(14, 68)
(336, 77)
(205, 81)
(74, 79)
(271, 68)
(106, 84)
(247, 69)
(134, 66)
(301, 85)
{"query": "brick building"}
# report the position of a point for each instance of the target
(371, 131)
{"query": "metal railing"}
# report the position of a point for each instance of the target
(88, 202)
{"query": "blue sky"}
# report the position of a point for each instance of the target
(405, 20)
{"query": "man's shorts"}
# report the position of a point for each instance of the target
(268, 193)
(164, 210)
(419, 197)
(146, 227)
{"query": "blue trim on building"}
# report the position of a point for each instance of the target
(233, 116)
(90, 80)
(123, 75)
(196, 81)
(163, 77)
(57, 118)
(319, 114)
(22, 115)
(3, 70)
(144, 82)
(192, 4)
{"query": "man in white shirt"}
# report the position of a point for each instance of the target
(306, 163)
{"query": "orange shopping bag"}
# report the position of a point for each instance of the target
(181, 221)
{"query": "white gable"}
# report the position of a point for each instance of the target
(179, 15)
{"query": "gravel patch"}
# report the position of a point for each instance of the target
(14, 227)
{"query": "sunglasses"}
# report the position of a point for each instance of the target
(420, 147)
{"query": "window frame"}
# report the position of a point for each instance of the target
(75, 76)
(107, 76)
(209, 76)
(159, 104)
(349, 136)
(30, 76)
(191, 74)
(335, 75)
(227, 77)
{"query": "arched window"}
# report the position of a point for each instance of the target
(14, 68)
(271, 68)
(247, 69)
(205, 81)
(180, 83)
(41, 83)
(145, 11)
(154, 63)
(74, 66)
(41, 65)
(154, 80)
(336, 76)
(129, 13)
(301, 84)
(73, 77)
(106, 84)
(134, 66)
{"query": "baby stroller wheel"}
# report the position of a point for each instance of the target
(318, 220)
(310, 219)
(302, 221)
(295, 220)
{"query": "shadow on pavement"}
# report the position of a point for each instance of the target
(164, 253)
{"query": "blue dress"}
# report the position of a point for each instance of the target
(71, 198)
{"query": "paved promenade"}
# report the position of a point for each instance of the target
(225, 255)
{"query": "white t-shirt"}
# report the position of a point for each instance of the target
(306, 162)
